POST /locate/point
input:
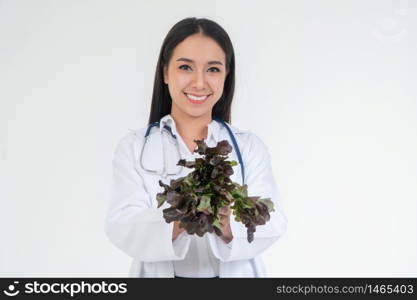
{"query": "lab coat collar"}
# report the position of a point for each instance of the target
(213, 127)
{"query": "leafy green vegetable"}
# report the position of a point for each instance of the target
(195, 199)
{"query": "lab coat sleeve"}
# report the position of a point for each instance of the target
(261, 182)
(132, 224)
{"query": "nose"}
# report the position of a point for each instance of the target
(199, 80)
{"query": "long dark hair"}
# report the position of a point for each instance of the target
(161, 99)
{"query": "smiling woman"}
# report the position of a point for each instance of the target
(192, 97)
(195, 85)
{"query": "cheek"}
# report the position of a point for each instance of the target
(217, 84)
(177, 79)
(181, 82)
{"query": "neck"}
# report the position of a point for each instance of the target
(189, 127)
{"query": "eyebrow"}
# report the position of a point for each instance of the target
(211, 62)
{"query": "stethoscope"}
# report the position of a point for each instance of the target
(168, 129)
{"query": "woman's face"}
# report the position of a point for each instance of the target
(197, 69)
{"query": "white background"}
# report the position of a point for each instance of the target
(329, 86)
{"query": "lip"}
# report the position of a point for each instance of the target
(197, 101)
(197, 94)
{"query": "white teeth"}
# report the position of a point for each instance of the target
(196, 98)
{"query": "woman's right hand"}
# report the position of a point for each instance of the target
(177, 230)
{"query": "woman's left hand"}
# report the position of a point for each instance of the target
(224, 215)
(224, 218)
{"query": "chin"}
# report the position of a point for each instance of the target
(197, 113)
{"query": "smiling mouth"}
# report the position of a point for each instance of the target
(197, 99)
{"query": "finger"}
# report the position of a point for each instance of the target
(225, 209)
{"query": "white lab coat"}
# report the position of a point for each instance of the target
(136, 226)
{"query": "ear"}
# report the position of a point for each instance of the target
(165, 71)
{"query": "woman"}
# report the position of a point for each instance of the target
(194, 84)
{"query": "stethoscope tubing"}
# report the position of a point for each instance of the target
(234, 142)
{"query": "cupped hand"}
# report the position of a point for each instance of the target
(224, 214)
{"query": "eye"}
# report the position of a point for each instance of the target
(214, 68)
(181, 67)
(186, 67)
